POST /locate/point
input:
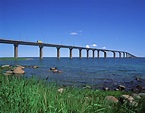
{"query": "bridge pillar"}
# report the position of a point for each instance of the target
(80, 53)
(41, 52)
(105, 54)
(70, 52)
(58, 52)
(114, 55)
(93, 53)
(123, 54)
(119, 54)
(87, 53)
(98, 53)
(15, 50)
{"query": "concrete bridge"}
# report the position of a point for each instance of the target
(16, 43)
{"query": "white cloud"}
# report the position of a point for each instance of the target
(103, 47)
(94, 45)
(73, 33)
(87, 46)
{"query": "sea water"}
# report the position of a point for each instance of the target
(97, 72)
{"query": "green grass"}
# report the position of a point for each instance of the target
(21, 95)
(11, 58)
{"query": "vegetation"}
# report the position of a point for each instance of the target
(22, 95)
(11, 58)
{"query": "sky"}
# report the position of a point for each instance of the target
(108, 24)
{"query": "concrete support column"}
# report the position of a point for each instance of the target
(119, 54)
(87, 53)
(114, 55)
(105, 54)
(41, 52)
(93, 53)
(80, 53)
(70, 52)
(58, 52)
(98, 53)
(123, 55)
(15, 50)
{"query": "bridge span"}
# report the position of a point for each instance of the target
(16, 43)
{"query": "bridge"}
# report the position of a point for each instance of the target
(16, 43)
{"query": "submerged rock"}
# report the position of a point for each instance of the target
(53, 68)
(57, 71)
(35, 67)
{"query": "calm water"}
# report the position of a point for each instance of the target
(103, 72)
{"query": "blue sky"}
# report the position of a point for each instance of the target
(110, 24)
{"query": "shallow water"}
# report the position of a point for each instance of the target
(102, 72)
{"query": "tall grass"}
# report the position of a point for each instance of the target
(21, 95)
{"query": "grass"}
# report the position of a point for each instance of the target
(22, 95)
(11, 58)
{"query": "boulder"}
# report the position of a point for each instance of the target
(142, 94)
(20, 66)
(126, 98)
(3, 66)
(87, 87)
(106, 89)
(57, 71)
(138, 78)
(111, 99)
(18, 70)
(136, 96)
(8, 73)
(60, 90)
(35, 67)
(121, 87)
(53, 68)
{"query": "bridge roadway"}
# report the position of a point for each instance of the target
(16, 43)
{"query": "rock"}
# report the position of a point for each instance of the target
(111, 99)
(53, 68)
(116, 89)
(57, 71)
(35, 67)
(3, 66)
(18, 70)
(129, 100)
(87, 87)
(139, 87)
(136, 96)
(126, 98)
(142, 94)
(138, 78)
(60, 90)
(9, 72)
(133, 103)
(106, 89)
(20, 66)
(121, 87)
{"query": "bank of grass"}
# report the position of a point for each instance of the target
(11, 58)
(21, 95)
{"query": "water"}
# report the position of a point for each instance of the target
(98, 73)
